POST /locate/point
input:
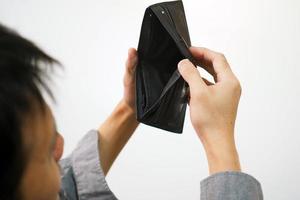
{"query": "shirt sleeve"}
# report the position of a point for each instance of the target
(81, 174)
(231, 186)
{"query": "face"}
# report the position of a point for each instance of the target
(44, 147)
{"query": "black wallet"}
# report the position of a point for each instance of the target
(161, 92)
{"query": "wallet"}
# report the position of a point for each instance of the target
(161, 92)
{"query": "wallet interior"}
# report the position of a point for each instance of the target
(160, 58)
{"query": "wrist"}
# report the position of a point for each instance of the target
(221, 152)
(127, 110)
(115, 132)
(126, 107)
(223, 160)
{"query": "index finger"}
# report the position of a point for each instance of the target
(214, 62)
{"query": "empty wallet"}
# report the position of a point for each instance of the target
(161, 92)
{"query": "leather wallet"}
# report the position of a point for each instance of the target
(161, 92)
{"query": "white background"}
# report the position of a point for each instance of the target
(261, 41)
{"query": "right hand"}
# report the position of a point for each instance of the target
(213, 107)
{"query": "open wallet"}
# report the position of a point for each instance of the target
(161, 92)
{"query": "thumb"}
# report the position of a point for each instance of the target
(190, 74)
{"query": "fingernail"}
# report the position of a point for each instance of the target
(183, 63)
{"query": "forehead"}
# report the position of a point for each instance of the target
(37, 131)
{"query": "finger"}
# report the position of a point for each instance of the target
(190, 74)
(206, 65)
(131, 61)
(215, 62)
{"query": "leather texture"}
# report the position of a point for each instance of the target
(161, 92)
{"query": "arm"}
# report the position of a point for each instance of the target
(213, 109)
(83, 172)
(120, 125)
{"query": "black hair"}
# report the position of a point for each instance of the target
(24, 76)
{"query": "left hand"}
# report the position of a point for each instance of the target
(116, 130)
(129, 79)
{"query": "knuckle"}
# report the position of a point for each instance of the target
(193, 74)
(240, 88)
(222, 57)
(200, 94)
(237, 86)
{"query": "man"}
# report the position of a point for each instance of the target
(31, 147)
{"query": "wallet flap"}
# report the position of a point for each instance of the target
(172, 17)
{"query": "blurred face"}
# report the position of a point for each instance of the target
(44, 148)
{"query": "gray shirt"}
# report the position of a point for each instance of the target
(82, 178)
